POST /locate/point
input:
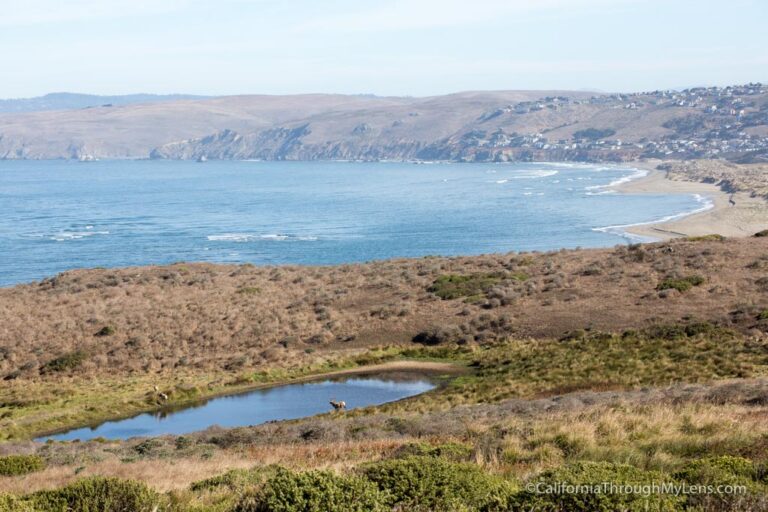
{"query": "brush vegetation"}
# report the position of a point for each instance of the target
(579, 367)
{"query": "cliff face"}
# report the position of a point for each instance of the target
(285, 144)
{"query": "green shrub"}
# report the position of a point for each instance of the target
(428, 483)
(730, 471)
(313, 491)
(706, 238)
(680, 284)
(593, 133)
(11, 465)
(97, 494)
(439, 335)
(183, 442)
(546, 492)
(677, 331)
(456, 286)
(65, 362)
(107, 330)
(725, 469)
(10, 503)
(235, 479)
(147, 447)
(451, 451)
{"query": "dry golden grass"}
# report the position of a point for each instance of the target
(91, 344)
(166, 474)
(162, 475)
(198, 317)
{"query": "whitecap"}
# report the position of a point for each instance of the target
(569, 165)
(534, 174)
(248, 237)
(601, 193)
(636, 175)
(63, 236)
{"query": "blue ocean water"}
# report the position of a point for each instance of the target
(59, 215)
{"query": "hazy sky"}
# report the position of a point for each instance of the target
(386, 47)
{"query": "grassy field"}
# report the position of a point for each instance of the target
(578, 366)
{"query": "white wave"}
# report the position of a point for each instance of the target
(534, 174)
(621, 229)
(569, 165)
(527, 193)
(636, 175)
(63, 236)
(601, 193)
(248, 237)
(499, 182)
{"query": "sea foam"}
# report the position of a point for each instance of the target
(248, 237)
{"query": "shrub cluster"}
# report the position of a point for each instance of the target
(593, 133)
(456, 452)
(313, 491)
(681, 284)
(68, 361)
(594, 475)
(454, 286)
(433, 483)
(88, 495)
(706, 238)
(12, 465)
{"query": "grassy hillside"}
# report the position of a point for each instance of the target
(722, 122)
(639, 364)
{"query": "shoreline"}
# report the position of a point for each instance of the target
(727, 214)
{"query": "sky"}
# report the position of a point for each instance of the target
(383, 47)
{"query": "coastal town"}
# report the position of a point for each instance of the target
(706, 122)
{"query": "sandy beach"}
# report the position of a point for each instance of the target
(733, 215)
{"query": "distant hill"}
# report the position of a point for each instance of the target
(70, 101)
(715, 122)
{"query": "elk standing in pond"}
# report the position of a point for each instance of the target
(339, 406)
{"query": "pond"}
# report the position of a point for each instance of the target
(259, 406)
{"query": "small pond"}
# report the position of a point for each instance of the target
(259, 406)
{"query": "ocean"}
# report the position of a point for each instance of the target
(60, 215)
